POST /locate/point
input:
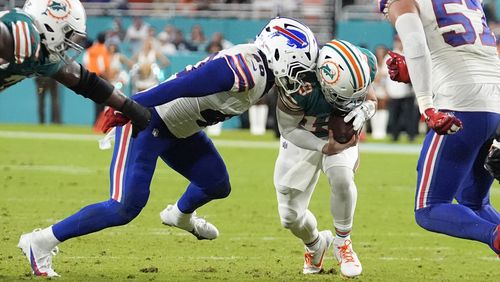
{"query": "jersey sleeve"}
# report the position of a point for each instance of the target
(243, 77)
(372, 61)
(25, 36)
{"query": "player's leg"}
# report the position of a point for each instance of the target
(196, 159)
(131, 171)
(295, 176)
(474, 192)
(340, 170)
(442, 168)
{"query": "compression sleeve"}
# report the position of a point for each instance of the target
(213, 77)
(288, 126)
(418, 58)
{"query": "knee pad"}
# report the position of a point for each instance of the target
(123, 214)
(341, 178)
(288, 217)
(219, 191)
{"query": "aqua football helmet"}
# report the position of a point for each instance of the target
(344, 75)
(291, 51)
(61, 23)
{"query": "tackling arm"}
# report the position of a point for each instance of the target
(89, 85)
(213, 77)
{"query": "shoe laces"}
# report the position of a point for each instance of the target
(346, 252)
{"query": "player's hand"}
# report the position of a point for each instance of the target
(398, 71)
(111, 118)
(333, 147)
(492, 163)
(138, 114)
(442, 122)
(360, 115)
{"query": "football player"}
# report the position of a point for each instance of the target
(492, 163)
(342, 87)
(223, 85)
(452, 62)
(42, 39)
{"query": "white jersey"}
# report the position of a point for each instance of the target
(186, 116)
(463, 52)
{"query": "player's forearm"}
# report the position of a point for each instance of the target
(418, 58)
(213, 77)
(288, 126)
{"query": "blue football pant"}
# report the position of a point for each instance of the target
(131, 170)
(451, 166)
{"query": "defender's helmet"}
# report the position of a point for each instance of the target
(291, 51)
(61, 24)
(344, 75)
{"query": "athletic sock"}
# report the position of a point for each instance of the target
(45, 238)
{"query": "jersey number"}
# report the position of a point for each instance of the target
(465, 34)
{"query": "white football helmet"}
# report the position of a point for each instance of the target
(61, 24)
(291, 51)
(344, 75)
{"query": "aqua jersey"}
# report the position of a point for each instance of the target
(314, 105)
(30, 57)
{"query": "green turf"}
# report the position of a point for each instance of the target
(46, 180)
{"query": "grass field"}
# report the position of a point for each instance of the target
(46, 177)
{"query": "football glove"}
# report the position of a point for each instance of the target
(492, 163)
(361, 114)
(442, 122)
(111, 118)
(398, 71)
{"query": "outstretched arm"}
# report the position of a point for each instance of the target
(212, 77)
(89, 85)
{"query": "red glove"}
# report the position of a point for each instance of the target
(111, 118)
(398, 71)
(441, 122)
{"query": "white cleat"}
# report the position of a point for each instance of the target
(40, 259)
(313, 260)
(350, 266)
(199, 227)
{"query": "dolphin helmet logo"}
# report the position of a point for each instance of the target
(296, 38)
(58, 9)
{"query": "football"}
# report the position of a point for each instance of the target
(342, 131)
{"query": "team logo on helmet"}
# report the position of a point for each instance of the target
(295, 37)
(58, 9)
(329, 72)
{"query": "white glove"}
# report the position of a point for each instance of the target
(361, 114)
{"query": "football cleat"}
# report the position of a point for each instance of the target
(313, 260)
(199, 227)
(40, 259)
(350, 266)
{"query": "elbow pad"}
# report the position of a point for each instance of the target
(93, 87)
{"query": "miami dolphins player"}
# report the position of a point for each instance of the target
(452, 62)
(42, 39)
(223, 85)
(342, 86)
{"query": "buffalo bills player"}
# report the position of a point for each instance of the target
(452, 62)
(223, 85)
(42, 39)
(492, 163)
